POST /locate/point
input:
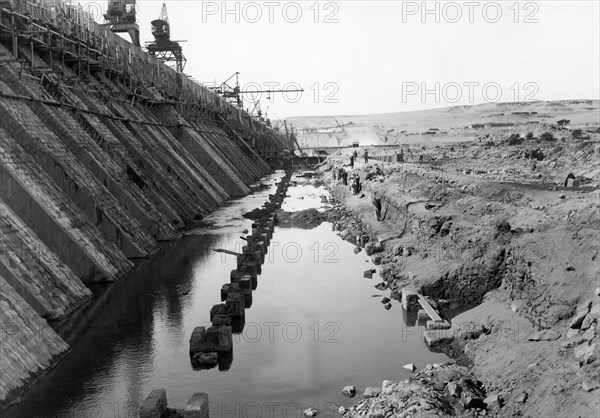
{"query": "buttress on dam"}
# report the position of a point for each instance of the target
(105, 152)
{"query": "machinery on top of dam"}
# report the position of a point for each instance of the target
(121, 16)
(64, 34)
(163, 47)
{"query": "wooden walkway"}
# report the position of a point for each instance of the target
(429, 309)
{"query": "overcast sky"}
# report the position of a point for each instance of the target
(360, 57)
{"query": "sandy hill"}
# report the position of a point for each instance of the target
(450, 124)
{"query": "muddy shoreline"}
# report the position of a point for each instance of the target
(525, 357)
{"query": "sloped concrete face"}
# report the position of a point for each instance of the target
(90, 179)
(29, 344)
(35, 272)
(81, 187)
(32, 194)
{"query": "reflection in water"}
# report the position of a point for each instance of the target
(313, 328)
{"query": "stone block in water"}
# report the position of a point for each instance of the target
(410, 300)
(220, 310)
(228, 289)
(155, 404)
(219, 320)
(235, 305)
(205, 360)
(213, 339)
(197, 406)
(246, 284)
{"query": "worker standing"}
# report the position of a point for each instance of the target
(377, 204)
(366, 156)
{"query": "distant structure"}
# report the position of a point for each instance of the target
(163, 48)
(121, 17)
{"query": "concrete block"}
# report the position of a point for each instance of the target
(432, 325)
(197, 406)
(214, 339)
(235, 304)
(436, 337)
(155, 404)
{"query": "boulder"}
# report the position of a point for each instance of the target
(197, 406)
(372, 392)
(410, 367)
(376, 259)
(454, 389)
(589, 386)
(349, 391)
(493, 402)
(591, 317)
(368, 274)
(521, 398)
(388, 387)
(370, 248)
(589, 334)
(544, 335)
(586, 353)
(387, 306)
(311, 412)
(381, 286)
(396, 295)
(572, 332)
(580, 315)
(155, 404)
(385, 300)
(471, 401)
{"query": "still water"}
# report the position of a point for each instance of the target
(315, 326)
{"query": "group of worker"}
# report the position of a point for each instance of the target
(340, 174)
(354, 156)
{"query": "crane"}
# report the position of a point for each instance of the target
(233, 94)
(163, 48)
(120, 16)
(338, 124)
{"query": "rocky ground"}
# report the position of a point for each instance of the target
(490, 224)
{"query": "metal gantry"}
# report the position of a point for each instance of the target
(163, 48)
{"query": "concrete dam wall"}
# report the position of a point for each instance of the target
(104, 152)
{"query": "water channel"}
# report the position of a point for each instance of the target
(315, 326)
